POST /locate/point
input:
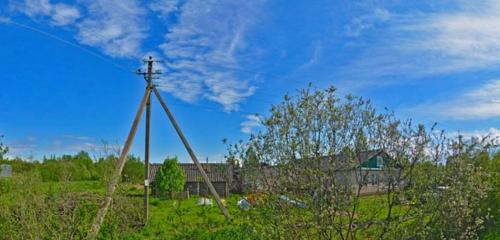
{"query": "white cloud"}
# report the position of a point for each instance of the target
(25, 147)
(204, 41)
(413, 45)
(78, 138)
(204, 47)
(317, 52)
(469, 37)
(164, 7)
(448, 40)
(480, 103)
(63, 14)
(227, 91)
(115, 26)
(59, 14)
(251, 123)
(492, 133)
(362, 23)
(32, 146)
(33, 8)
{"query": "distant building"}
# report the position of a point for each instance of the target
(5, 170)
(368, 168)
(220, 174)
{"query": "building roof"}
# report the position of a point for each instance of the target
(335, 162)
(360, 158)
(217, 172)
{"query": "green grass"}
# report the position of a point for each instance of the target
(172, 219)
(169, 219)
(183, 219)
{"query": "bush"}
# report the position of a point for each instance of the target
(133, 171)
(5, 185)
(51, 170)
(169, 178)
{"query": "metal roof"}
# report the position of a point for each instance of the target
(217, 172)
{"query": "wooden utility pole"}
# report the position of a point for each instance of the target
(149, 80)
(146, 103)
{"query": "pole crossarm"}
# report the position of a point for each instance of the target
(103, 209)
(191, 154)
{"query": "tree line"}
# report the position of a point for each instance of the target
(77, 167)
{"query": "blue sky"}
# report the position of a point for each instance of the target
(68, 66)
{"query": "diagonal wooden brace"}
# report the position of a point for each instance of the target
(192, 155)
(103, 209)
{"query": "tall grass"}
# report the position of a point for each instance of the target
(30, 209)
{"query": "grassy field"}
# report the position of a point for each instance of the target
(52, 209)
(172, 219)
(169, 219)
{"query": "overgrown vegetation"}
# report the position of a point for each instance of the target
(57, 198)
(310, 180)
(31, 209)
(435, 186)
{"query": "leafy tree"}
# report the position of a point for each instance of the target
(81, 166)
(133, 171)
(104, 168)
(491, 204)
(432, 188)
(251, 158)
(169, 178)
(51, 170)
(3, 149)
